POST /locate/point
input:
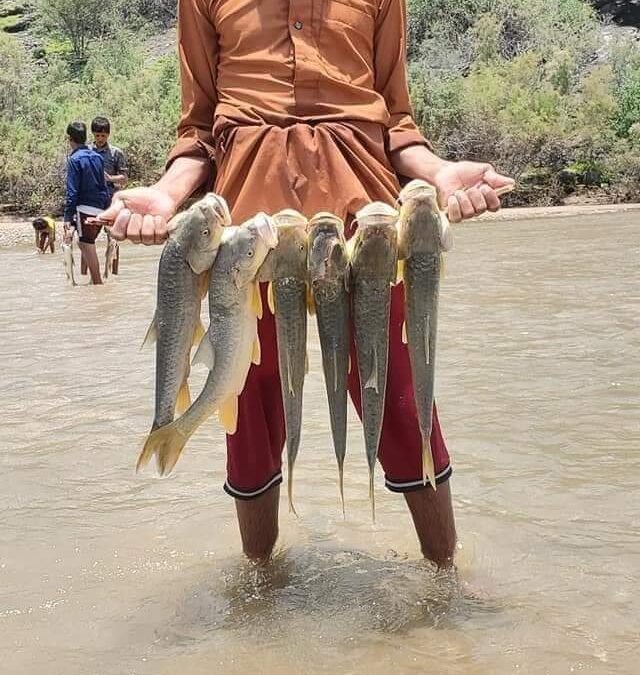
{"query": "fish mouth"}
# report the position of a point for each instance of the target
(376, 213)
(289, 217)
(219, 206)
(266, 229)
(418, 189)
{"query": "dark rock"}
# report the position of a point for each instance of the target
(625, 12)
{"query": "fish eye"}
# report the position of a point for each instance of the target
(205, 232)
(302, 247)
(250, 253)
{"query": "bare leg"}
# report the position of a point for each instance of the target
(90, 257)
(258, 521)
(432, 514)
(83, 262)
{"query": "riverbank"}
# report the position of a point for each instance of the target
(17, 230)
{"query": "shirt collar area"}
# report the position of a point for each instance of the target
(80, 147)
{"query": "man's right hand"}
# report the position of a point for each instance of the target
(140, 215)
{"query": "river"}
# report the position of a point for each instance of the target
(106, 572)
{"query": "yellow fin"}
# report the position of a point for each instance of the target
(428, 468)
(271, 301)
(405, 337)
(184, 398)
(151, 335)
(166, 443)
(198, 333)
(349, 366)
(400, 271)
(306, 363)
(257, 300)
(372, 382)
(311, 305)
(203, 283)
(442, 266)
(256, 356)
(204, 354)
(228, 415)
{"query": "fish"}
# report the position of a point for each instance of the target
(230, 345)
(373, 259)
(69, 264)
(111, 257)
(423, 235)
(194, 238)
(329, 279)
(286, 271)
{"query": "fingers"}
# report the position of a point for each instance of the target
(119, 227)
(496, 180)
(117, 205)
(460, 207)
(134, 229)
(160, 229)
(147, 233)
(478, 201)
(490, 197)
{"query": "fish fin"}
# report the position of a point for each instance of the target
(256, 356)
(341, 487)
(372, 382)
(442, 266)
(166, 443)
(306, 362)
(271, 301)
(198, 333)
(204, 354)
(372, 496)
(349, 366)
(151, 335)
(311, 305)
(228, 415)
(428, 467)
(203, 283)
(335, 370)
(292, 508)
(405, 337)
(427, 349)
(351, 247)
(400, 271)
(184, 398)
(256, 301)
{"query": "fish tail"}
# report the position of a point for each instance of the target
(184, 398)
(372, 496)
(428, 468)
(166, 443)
(292, 508)
(341, 487)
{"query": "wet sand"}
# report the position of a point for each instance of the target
(108, 572)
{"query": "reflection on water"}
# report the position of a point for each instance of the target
(104, 571)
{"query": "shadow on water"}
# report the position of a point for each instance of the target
(338, 594)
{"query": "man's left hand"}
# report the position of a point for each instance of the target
(468, 189)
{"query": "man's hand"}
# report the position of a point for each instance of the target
(140, 214)
(468, 189)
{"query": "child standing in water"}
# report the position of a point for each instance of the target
(305, 105)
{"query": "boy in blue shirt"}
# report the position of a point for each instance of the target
(87, 196)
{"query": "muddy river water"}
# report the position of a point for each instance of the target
(106, 572)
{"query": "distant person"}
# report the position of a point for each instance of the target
(87, 195)
(116, 173)
(45, 233)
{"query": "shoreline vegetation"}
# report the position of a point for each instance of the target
(547, 91)
(16, 230)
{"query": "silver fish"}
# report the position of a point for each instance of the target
(286, 270)
(186, 258)
(69, 264)
(329, 279)
(374, 255)
(112, 256)
(231, 343)
(423, 234)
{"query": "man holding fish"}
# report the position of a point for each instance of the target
(305, 106)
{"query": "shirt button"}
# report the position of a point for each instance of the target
(298, 25)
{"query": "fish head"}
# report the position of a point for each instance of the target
(327, 258)
(375, 245)
(422, 226)
(250, 246)
(198, 231)
(289, 257)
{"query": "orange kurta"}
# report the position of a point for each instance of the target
(298, 103)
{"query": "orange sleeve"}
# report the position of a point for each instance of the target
(198, 53)
(391, 75)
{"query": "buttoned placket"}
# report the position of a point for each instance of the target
(302, 14)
